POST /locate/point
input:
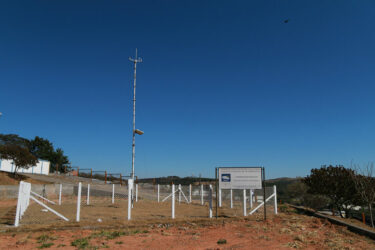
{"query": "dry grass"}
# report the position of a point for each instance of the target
(9, 179)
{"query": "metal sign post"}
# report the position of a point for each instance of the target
(240, 178)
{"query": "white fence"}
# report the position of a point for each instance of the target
(108, 203)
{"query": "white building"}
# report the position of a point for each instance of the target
(42, 167)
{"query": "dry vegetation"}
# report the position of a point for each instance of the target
(287, 230)
(9, 179)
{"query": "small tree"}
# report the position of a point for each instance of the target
(336, 183)
(20, 156)
(59, 160)
(41, 148)
(365, 186)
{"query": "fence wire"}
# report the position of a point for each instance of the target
(108, 203)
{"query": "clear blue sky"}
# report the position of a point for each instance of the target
(223, 83)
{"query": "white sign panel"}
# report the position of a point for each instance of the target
(240, 178)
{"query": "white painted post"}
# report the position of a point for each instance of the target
(88, 195)
(60, 194)
(79, 202)
(231, 198)
(210, 202)
(244, 202)
(130, 187)
(179, 193)
(219, 197)
(251, 198)
(202, 194)
(20, 202)
(136, 192)
(190, 193)
(158, 192)
(113, 193)
(173, 201)
(275, 198)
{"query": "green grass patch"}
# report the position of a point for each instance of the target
(44, 238)
(222, 241)
(46, 245)
(81, 243)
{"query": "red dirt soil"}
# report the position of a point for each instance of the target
(287, 230)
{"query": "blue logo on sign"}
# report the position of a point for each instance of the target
(225, 177)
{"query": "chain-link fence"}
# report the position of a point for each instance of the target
(93, 203)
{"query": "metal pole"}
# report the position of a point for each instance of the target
(179, 193)
(264, 194)
(275, 198)
(135, 61)
(231, 198)
(190, 193)
(202, 194)
(60, 194)
(136, 192)
(113, 193)
(130, 187)
(158, 192)
(79, 202)
(251, 198)
(210, 202)
(244, 202)
(88, 195)
(173, 198)
(217, 186)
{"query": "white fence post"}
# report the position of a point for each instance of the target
(60, 194)
(136, 192)
(190, 193)
(244, 202)
(158, 192)
(130, 187)
(251, 198)
(23, 201)
(219, 197)
(202, 194)
(79, 201)
(231, 198)
(179, 193)
(88, 195)
(274, 191)
(113, 193)
(173, 196)
(210, 202)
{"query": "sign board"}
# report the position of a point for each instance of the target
(240, 178)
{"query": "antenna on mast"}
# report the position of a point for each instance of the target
(135, 131)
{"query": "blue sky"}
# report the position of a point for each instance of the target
(223, 83)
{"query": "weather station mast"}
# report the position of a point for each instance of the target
(135, 131)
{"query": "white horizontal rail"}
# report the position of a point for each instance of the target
(261, 204)
(169, 196)
(42, 197)
(48, 208)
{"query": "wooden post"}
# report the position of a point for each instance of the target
(363, 218)
(105, 177)
(120, 179)
(91, 175)
(77, 171)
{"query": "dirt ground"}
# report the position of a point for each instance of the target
(286, 230)
(102, 212)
